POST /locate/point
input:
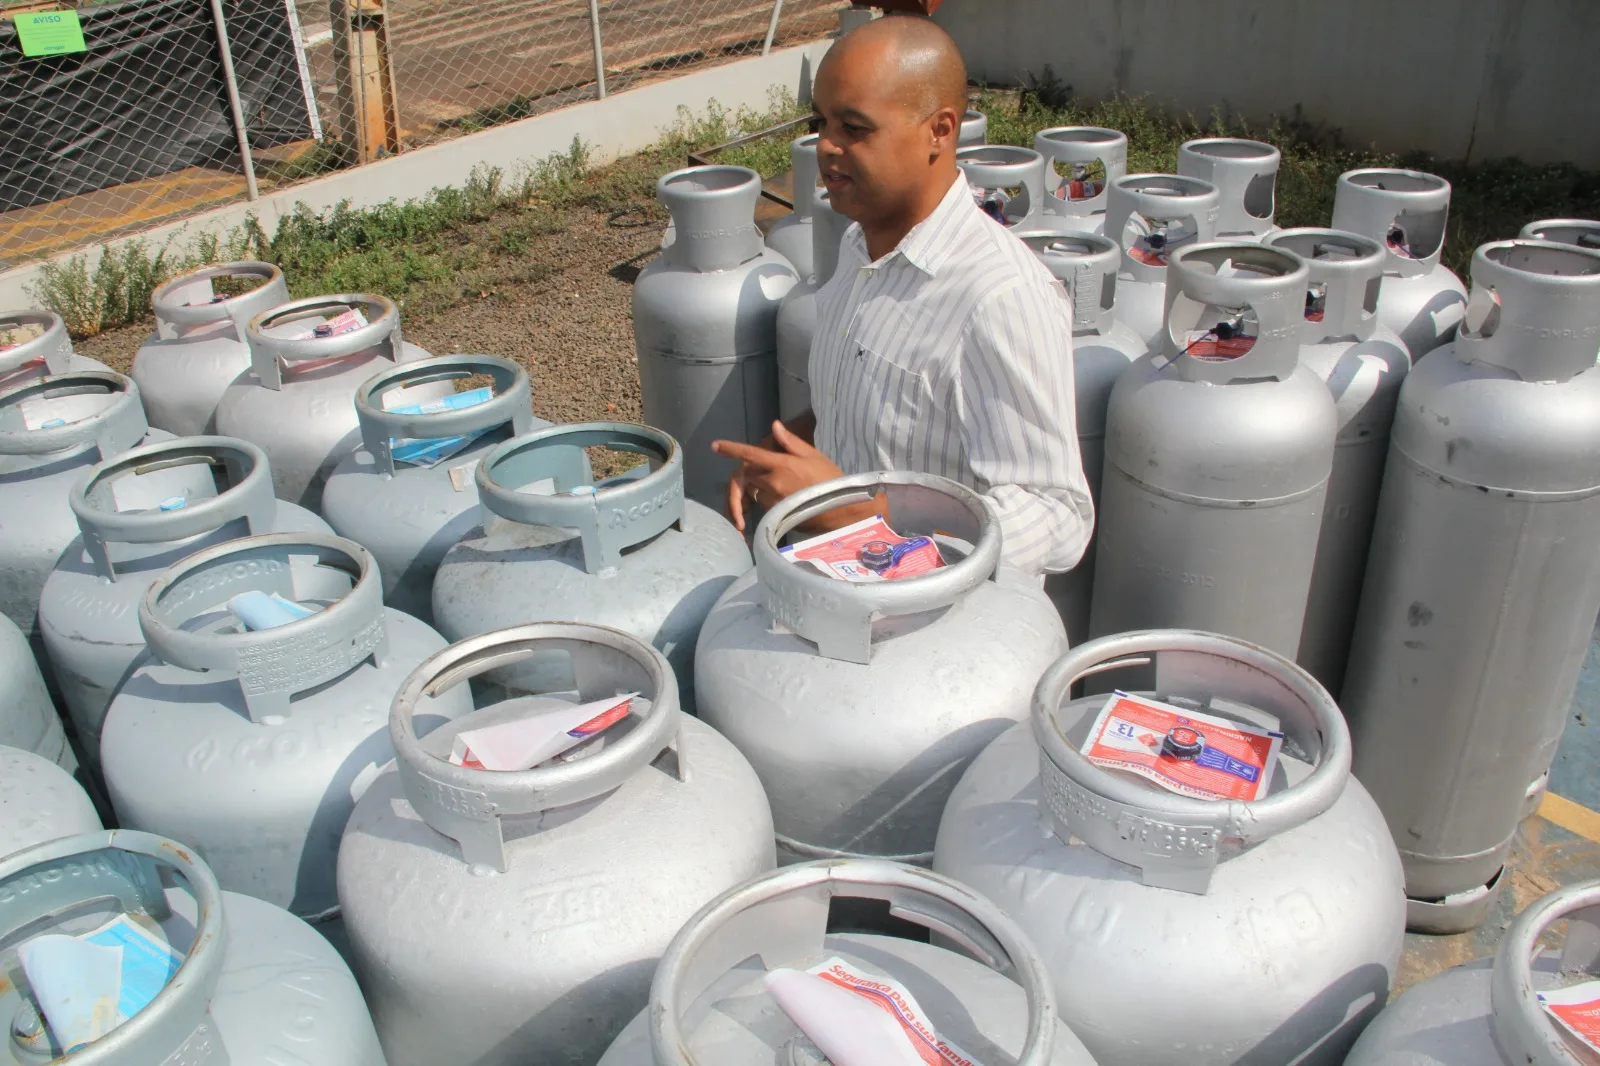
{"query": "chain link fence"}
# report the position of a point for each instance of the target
(169, 107)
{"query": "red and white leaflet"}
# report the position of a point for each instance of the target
(1205, 344)
(1181, 750)
(840, 553)
(1577, 1009)
(524, 743)
(348, 322)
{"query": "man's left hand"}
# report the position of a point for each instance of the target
(766, 476)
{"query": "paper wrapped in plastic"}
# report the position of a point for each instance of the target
(85, 986)
(867, 550)
(261, 610)
(1183, 750)
(1577, 1009)
(525, 742)
(431, 451)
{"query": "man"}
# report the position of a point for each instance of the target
(942, 344)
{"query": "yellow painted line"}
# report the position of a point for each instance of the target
(1573, 817)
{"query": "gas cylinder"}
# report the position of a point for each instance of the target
(1487, 1012)
(34, 344)
(250, 984)
(39, 801)
(790, 236)
(860, 704)
(1009, 185)
(706, 1010)
(1583, 232)
(28, 719)
(139, 513)
(974, 129)
(1082, 162)
(1102, 349)
(1181, 930)
(1406, 211)
(705, 323)
(503, 918)
(296, 399)
(51, 430)
(797, 315)
(1245, 173)
(1485, 551)
(627, 551)
(199, 347)
(400, 496)
(252, 745)
(1150, 216)
(1219, 445)
(1363, 364)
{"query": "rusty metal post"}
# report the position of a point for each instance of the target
(369, 120)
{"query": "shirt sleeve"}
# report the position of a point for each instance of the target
(1019, 425)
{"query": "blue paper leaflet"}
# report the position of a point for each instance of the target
(430, 451)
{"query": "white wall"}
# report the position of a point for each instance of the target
(1464, 79)
(625, 122)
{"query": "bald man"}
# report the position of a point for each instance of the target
(942, 344)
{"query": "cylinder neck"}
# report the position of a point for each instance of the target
(714, 216)
(1151, 215)
(1240, 298)
(1523, 1031)
(1000, 170)
(468, 805)
(803, 170)
(511, 405)
(1079, 149)
(974, 129)
(1246, 175)
(1582, 232)
(271, 665)
(287, 334)
(83, 409)
(827, 234)
(1534, 310)
(1087, 266)
(51, 346)
(1346, 276)
(1405, 211)
(191, 300)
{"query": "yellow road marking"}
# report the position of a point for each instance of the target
(1573, 817)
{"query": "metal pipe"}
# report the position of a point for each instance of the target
(599, 54)
(772, 26)
(252, 191)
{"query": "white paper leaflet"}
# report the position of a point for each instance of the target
(524, 743)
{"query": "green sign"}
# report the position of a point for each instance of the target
(50, 33)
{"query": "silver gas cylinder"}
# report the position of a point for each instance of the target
(1183, 931)
(859, 704)
(253, 746)
(974, 129)
(1102, 349)
(1363, 363)
(39, 801)
(51, 431)
(627, 552)
(790, 236)
(408, 515)
(506, 918)
(33, 345)
(1406, 212)
(1245, 173)
(708, 1006)
(1487, 1012)
(1082, 163)
(28, 718)
(255, 986)
(139, 513)
(1008, 184)
(296, 400)
(705, 323)
(1217, 464)
(797, 315)
(1485, 551)
(1151, 216)
(199, 347)
(1583, 232)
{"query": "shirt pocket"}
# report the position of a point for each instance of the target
(883, 393)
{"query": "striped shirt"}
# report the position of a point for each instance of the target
(952, 355)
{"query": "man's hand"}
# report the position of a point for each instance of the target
(768, 474)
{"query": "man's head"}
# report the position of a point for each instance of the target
(890, 95)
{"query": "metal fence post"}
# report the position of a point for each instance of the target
(599, 55)
(772, 26)
(239, 130)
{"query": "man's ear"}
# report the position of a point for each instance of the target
(944, 126)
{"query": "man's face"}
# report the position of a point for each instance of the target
(874, 150)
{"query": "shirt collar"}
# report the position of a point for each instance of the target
(928, 245)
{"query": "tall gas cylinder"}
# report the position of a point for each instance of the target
(974, 129)
(705, 323)
(253, 986)
(790, 236)
(399, 496)
(502, 918)
(860, 704)
(627, 551)
(1406, 212)
(1363, 364)
(1583, 232)
(139, 513)
(1082, 163)
(1245, 173)
(1009, 185)
(33, 345)
(1181, 930)
(1102, 350)
(39, 801)
(1485, 551)
(1003, 1002)
(51, 430)
(797, 316)
(199, 347)
(1219, 445)
(1487, 1012)
(28, 718)
(1151, 216)
(253, 744)
(307, 358)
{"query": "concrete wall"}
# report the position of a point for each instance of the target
(626, 122)
(1464, 79)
